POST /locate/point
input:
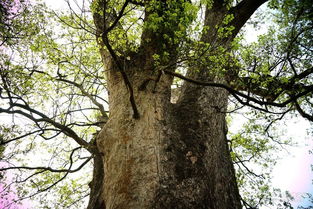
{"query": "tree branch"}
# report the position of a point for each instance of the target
(302, 113)
(103, 29)
(48, 168)
(84, 92)
(66, 130)
(43, 169)
(2, 142)
(117, 19)
(242, 12)
(237, 94)
(124, 75)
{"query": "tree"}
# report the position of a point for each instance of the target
(153, 152)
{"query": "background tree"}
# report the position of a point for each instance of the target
(160, 146)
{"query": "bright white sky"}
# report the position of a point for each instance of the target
(293, 172)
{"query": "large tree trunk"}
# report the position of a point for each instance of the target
(173, 155)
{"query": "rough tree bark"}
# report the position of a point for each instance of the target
(173, 155)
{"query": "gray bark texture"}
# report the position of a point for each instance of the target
(175, 155)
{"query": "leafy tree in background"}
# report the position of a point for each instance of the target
(152, 124)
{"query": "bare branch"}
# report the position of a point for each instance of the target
(25, 135)
(84, 92)
(66, 130)
(48, 168)
(237, 94)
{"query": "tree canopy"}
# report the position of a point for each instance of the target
(54, 97)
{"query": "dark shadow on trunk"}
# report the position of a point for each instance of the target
(96, 185)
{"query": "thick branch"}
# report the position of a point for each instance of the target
(302, 113)
(302, 74)
(242, 12)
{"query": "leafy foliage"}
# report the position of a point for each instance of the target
(54, 79)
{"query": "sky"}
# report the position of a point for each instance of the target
(7, 199)
(293, 171)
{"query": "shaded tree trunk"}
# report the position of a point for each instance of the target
(173, 155)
